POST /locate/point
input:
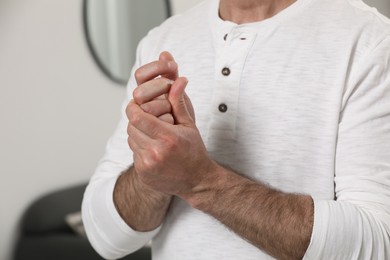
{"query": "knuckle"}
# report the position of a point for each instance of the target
(172, 143)
(135, 119)
(137, 95)
(148, 164)
(129, 131)
(132, 115)
(128, 110)
(130, 142)
(138, 73)
(156, 155)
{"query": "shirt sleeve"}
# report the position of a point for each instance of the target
(357, 224)
(107, 232)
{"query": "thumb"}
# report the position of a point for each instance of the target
(174, 74)
(177, 99)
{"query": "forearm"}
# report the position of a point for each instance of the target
(276, 222)
(141, 207)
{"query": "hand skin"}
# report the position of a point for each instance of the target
(172, 159)
(141, 207)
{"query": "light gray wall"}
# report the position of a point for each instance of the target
(180, 6)
(56, 108)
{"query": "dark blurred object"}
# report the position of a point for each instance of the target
(46, 235)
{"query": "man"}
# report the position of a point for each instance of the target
(287, 155)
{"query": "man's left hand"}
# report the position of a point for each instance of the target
(169, 158)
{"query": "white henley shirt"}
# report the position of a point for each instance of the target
(308, 111)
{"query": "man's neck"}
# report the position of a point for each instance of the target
(248, 11)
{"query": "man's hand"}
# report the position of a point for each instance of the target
(140, 206)
(169, 158)
(159, 88)
(154, 81)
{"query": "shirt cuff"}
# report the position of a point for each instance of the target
(337, 232)
(108, 233)
(315, 246)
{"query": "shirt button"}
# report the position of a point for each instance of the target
(225, 37)
(226, 71)
(222, 108)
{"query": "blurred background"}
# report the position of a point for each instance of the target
(61, 88)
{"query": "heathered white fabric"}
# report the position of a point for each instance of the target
(308, 102)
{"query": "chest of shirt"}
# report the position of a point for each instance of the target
(266, 84)
(265, 107)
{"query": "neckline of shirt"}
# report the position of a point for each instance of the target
(217, 24)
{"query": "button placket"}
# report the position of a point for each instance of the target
(230, 61)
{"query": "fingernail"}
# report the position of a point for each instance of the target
(169, 82)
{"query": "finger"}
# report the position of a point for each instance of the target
(150, 125)
(157, 107)
(166, 56)
(139, 151)
(151, 90)
(190, 108)
(154, 69)
(136, 139)
(167, 118)
(163, 96)
(178, 101)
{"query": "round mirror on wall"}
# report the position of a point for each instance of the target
(114, 28)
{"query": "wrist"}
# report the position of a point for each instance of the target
(141, 207)
(216, 180)
(142, 188)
